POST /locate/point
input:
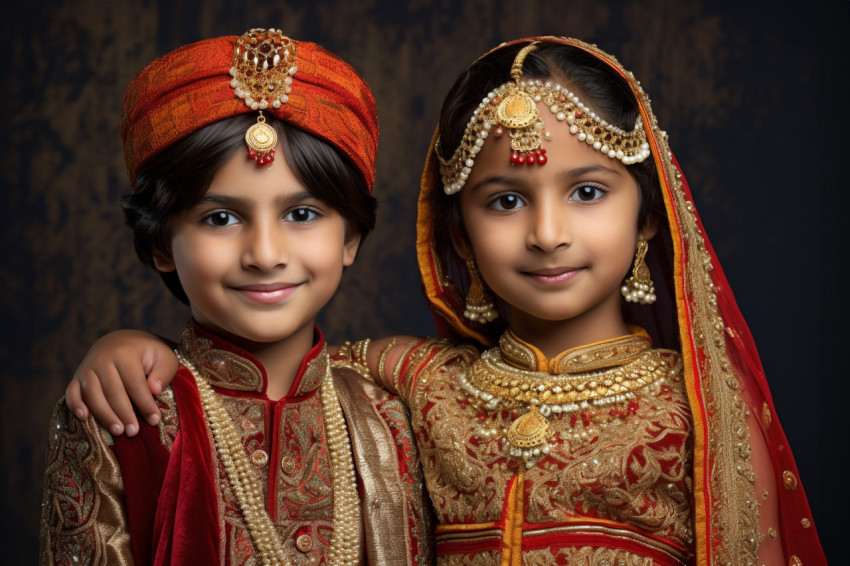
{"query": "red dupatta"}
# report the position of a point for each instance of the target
(696, 313)
(172, 500)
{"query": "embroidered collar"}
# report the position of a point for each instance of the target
(591, 357)
(227, 366)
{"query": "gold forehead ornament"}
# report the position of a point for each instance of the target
(513, 106)
(262, 71)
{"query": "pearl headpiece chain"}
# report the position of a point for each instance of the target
(244, 480)
(513, 105)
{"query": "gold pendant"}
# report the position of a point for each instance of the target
(261, 140)
(529, 431)
(517, 110)
(261, 137)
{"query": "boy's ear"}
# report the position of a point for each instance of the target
(163, 262)
(350, 247)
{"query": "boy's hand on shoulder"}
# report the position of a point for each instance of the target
(122, 369)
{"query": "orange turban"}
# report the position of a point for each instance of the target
(189, 88)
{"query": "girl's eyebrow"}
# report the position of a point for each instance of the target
(497, 180)
(564, 175)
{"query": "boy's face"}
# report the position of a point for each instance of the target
(258, 255)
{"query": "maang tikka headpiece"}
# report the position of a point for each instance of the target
(263, 66)
(514, 106)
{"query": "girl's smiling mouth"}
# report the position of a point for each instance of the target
(554, 275)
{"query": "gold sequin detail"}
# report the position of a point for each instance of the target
(789, 480)
(764, 494)
(304, 543)
(805, 522)
(771, 532)
(765, 415)
(259, 458)
(795, 561)
(287, 464)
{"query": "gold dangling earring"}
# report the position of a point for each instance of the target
(639, 287)
(479, 306)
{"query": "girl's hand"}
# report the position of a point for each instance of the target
(123, 366)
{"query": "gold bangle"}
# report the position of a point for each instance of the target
(383, 359)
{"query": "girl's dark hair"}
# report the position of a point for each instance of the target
(178, 177)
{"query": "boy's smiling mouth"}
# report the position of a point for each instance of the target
(267, 292)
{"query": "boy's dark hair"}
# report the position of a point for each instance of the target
(178, 177)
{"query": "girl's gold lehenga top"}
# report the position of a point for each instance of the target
(612, 485)
(614, 453)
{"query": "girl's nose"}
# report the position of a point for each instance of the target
(549, 230)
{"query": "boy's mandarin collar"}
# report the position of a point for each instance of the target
(227, 366)
(590, 357)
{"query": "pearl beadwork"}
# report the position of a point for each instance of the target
(263, 66)
(345, 543)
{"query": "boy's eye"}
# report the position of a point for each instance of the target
(220, 218)
(301, 214)
(506, 202)
(587, 193)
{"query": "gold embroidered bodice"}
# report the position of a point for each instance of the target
(621, 466)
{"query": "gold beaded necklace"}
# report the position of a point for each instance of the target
(244, 480)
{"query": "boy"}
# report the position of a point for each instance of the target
(252, 162)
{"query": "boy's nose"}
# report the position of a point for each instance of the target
(265, 248)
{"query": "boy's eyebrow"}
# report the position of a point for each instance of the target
(228, 200)
(591, 169)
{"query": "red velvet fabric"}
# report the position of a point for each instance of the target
(172, 498)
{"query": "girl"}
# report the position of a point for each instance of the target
(621, 415)
(252, 163)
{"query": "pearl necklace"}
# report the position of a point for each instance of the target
(495, 385)
(244, 480)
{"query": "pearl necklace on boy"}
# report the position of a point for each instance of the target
(493, 386)
(345, 542)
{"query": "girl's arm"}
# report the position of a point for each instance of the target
(122, 369)
(379, 358)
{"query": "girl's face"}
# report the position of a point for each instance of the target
(258, 255)
(554, 241)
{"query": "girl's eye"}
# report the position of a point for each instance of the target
(301, 214)
(220, 218)
(506, 202)
(587, 193)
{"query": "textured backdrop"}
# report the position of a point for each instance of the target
(751, 97)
